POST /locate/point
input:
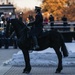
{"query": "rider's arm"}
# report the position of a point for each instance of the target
(34, 22)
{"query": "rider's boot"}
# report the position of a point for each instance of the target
(36, 46)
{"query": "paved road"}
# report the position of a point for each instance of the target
(6, 54)
(37, 71)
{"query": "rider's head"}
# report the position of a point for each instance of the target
(37, 9)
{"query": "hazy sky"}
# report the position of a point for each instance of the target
(24, 3)
(27, 3)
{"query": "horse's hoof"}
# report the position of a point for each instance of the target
(27, 70)
(58, 70)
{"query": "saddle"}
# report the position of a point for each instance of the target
(43, 34)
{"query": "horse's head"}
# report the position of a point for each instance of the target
(19, 27)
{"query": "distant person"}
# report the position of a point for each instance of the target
(19, 16)
(31, 18)
(64, 19)
(51, 19)
(7, 31)
(45, 20)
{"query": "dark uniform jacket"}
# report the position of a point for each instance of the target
(37, 25)
(51, 18)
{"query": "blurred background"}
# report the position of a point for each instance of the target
(25, 11)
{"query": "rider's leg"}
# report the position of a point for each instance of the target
(35, 42)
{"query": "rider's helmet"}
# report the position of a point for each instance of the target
(37, 9)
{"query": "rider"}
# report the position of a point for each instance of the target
(37, 26)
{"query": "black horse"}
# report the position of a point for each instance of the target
(51, 39)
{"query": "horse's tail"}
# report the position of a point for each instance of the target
(63, 48)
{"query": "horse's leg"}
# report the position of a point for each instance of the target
(27, 68)
(59, 55)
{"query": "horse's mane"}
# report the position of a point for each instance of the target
(19, 27)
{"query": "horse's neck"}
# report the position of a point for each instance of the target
(18, 27)
(21, 31)
(18, 32)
